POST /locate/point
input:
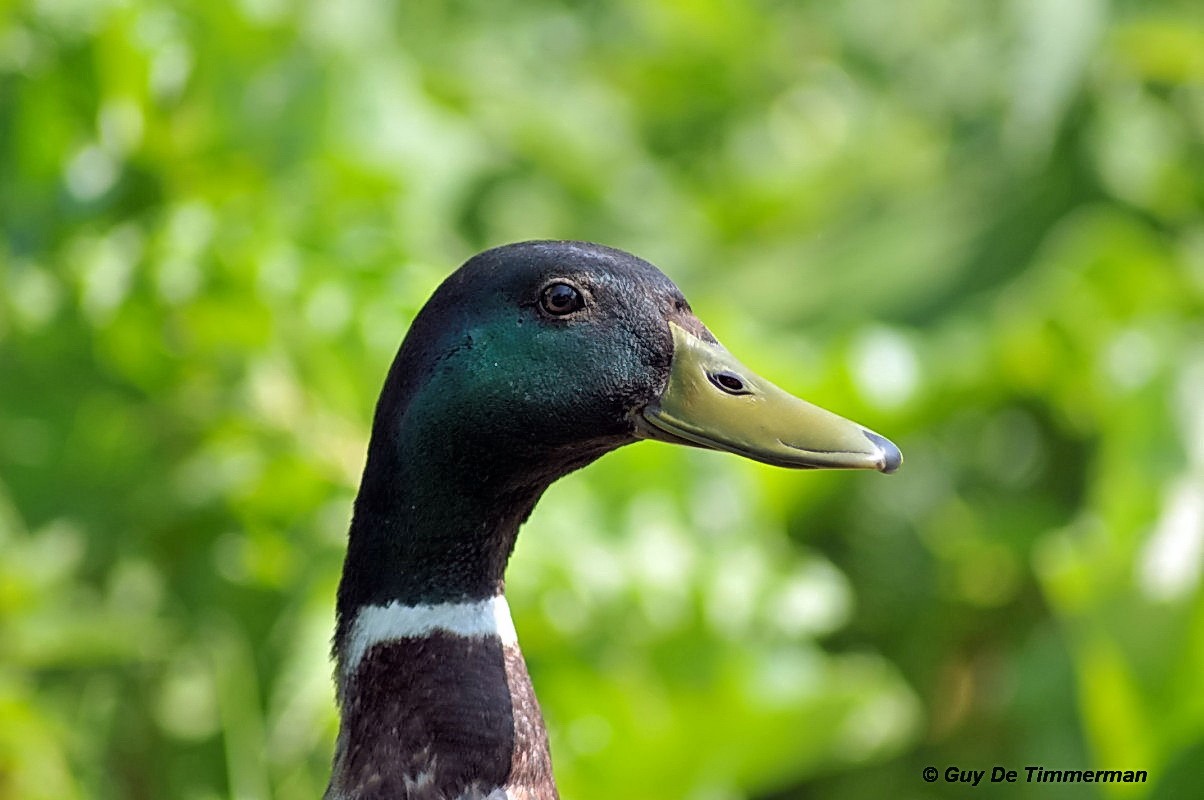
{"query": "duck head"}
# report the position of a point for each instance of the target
(558, 350)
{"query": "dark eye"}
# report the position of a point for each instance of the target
(729, 382)
(559, 299)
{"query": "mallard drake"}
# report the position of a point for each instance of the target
(528, 362)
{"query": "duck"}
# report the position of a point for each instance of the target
(528, 362)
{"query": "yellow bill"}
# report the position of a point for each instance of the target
(714, 401)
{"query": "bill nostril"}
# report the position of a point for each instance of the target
(728, 381)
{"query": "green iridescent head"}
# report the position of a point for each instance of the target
(545, 348)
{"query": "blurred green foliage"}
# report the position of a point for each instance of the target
(976, 227)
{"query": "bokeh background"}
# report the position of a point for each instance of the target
(975, 227)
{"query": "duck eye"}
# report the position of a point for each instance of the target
(729, 382)
(560, 299)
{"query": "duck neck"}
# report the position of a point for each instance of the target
(432, 686)
(444, 491)
(422, 535)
